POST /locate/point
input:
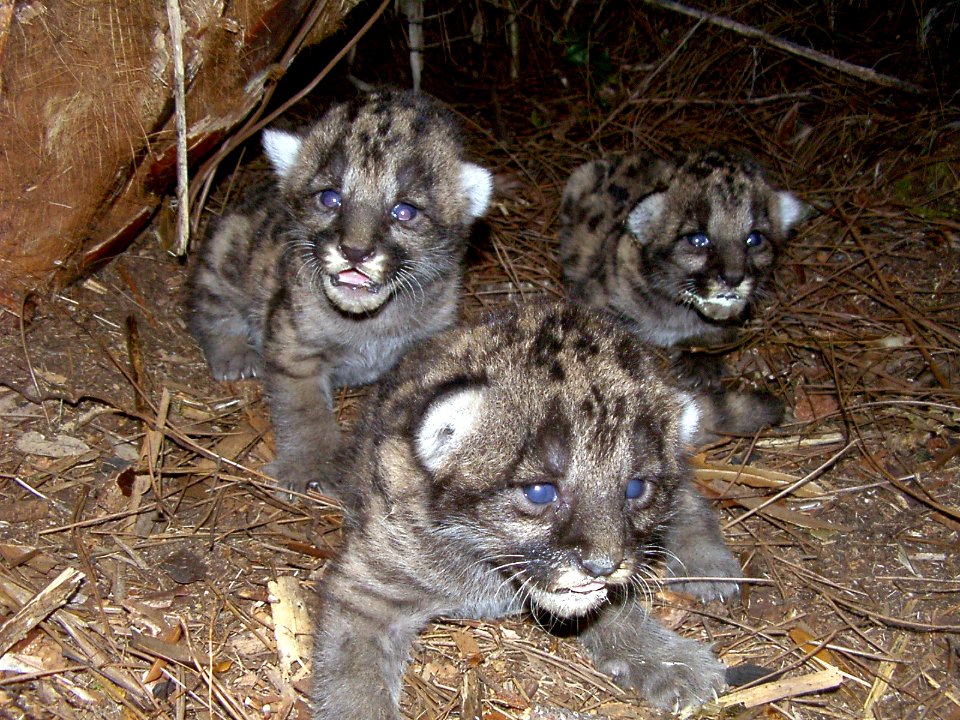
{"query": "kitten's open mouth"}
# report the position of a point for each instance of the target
(353, 279)
(571, 601)
(719, 307)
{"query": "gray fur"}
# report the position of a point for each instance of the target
(310, 294)
(439, 522)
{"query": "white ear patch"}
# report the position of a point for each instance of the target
(647, 211)
(791, 209)
(689, 418)
(448, 420)
(281, 148)
(476, 184)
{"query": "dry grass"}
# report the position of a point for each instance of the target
(139, 472)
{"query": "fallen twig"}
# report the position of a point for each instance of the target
(857, 71)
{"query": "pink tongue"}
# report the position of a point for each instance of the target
(353, 277)
(588, 587)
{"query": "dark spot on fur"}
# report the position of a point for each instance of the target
(550, 444)
(557, 372)
(420, 124)
(625, 353)
(585, 346)
(594, 221)
(546, 345)
(619, 193)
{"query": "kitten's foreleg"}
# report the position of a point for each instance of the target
(306, 430)
(361, 650)
(639, 653)
(695, 548)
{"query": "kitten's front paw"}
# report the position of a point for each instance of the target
(299, 477)
(679, 673)
(234, 359)
(710, 560)
(699, 371)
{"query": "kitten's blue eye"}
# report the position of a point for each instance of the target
(403, 212)
(330, 199)
(636, 488)
(540, 493)
(698, 240)
(755, 239)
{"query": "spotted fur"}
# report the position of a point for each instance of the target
(681, 250)
(326, 276)
(458, 450)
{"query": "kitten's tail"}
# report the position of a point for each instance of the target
(736, 412)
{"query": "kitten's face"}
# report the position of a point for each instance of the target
(563, 515)
(711, 239)
(381, 199)
(554, 459)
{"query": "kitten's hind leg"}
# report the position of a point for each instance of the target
(695, 548)
(639, 653)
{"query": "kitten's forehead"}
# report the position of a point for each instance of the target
(576, 381)
(388, 133)
(722, 194)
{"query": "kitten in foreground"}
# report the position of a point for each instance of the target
(328, 275)
(534, 461)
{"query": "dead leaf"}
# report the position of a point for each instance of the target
(34, 443)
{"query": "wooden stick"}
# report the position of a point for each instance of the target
(53, 596)
(180, 119)
(781, 689)
(857, 71)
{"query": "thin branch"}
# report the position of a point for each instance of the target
(857, 71)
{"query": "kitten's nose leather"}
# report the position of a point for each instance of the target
(355, 255)
(732, 278)
(599, 566)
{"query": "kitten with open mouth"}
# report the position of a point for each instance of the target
(328, 275)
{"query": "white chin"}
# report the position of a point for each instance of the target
(718, 309)
(355, 299)
(568, 604)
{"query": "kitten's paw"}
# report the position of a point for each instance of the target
(709, 560)
(235, 359)
(300, 477)
(698, 371)
(677, 674)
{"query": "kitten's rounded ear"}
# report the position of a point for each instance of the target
(690, 417)
(476, 184)
(282, 149)
(449, 418)
(790, 209)
(646, 212)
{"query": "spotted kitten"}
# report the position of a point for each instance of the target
(680, 249)
(532, 462)
(328, 275)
